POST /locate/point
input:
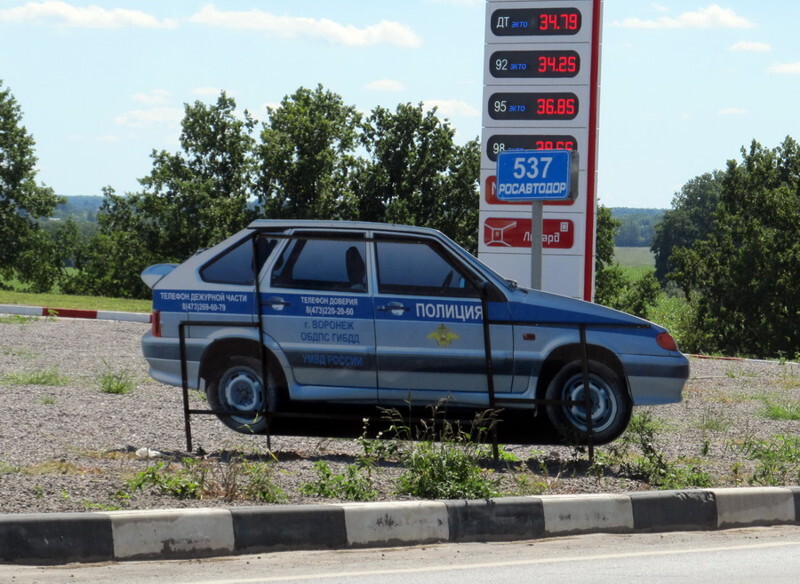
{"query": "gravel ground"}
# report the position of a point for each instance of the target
(71, 447)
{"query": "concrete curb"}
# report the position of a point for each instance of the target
(73, 313)
(172, 534)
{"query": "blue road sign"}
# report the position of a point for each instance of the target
(537, 175)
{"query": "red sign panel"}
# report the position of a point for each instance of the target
(514, 232)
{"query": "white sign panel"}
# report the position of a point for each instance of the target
(541, 88)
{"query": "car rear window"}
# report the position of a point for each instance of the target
(235, 265)
(322, 264)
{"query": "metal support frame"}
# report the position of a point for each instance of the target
(481, 286)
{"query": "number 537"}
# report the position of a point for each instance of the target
(532, 167)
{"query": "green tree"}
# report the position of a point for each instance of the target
(192, 199)
(690, 219)
(316, 158)
(608, 276)
(55, 247)
(305, 156)
(415, 174)
(22, 200)
(743, 274)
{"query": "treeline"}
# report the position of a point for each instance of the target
(636, 226)
(730, 245)
(314, 157)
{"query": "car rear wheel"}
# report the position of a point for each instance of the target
(237, 386)
(610, 404)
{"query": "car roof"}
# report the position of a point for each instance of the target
(282, 224)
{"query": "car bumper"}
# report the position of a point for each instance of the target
(655, 380)
(163, 356)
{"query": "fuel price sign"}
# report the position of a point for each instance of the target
(541, 87)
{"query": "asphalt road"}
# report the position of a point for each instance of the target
(763, 555)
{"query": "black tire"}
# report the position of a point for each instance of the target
(236, 385)
(611, 405)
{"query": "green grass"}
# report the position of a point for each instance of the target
(17, 319)
(634, 261)
(788, 410)
(80, 302)
(8, 351)
(50, 377)
(634, 257)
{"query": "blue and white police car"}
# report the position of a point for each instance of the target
(315, 313)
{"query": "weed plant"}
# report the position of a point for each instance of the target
(7, 351)
(352, 485)
(203, 479)
(777, 459)
(259, 483)
(444, 462)
(116, 382)
(711, 421)
(651, 465)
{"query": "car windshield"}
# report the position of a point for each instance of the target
(483, 268)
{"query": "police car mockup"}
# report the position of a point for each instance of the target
(315, 313)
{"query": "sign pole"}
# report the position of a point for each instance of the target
(537, 229)
(537, 176)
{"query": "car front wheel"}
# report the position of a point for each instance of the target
(610, 405)
(237, 386)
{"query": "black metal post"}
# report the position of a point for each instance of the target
(487, 345)
(267, 407)
(587, 396)
(185, 386)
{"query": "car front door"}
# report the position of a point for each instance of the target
(429, 328)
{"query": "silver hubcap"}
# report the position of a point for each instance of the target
(242, 391)
(603, 403)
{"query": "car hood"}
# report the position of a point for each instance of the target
(543, 307)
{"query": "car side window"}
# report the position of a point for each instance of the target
(419, 269)
(322, 264)
(235, 265)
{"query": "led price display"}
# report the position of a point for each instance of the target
(501, 143)
(536, 21)
(533, 106)
(535, 64)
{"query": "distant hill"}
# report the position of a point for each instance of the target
(80, 208)
(636, 230)
(637, 226)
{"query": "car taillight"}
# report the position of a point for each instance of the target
(665, 341)
(155, 321)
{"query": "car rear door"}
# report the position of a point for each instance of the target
(316, 306)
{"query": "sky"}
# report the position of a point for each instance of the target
(685, 84)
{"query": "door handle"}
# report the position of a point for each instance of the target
(395, 308)
(276, 302)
